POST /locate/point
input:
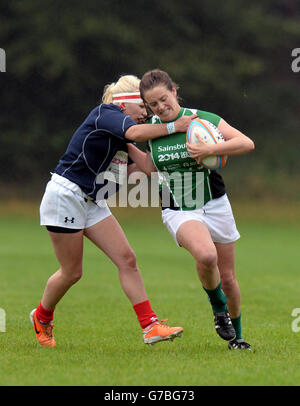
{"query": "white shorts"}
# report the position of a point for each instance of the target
(64, 204)
(216, 215)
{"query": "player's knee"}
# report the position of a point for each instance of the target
(207, 260)
(74, 275)
(228, 283)
(128, 260)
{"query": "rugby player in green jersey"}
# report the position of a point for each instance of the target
(203, 223)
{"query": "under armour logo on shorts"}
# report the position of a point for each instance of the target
(71, 220)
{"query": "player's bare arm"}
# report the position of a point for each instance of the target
(144, 132)
(236, 143)
(142, 160)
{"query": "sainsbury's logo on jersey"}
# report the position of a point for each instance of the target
(171, 147)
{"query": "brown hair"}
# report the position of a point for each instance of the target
(155, 78)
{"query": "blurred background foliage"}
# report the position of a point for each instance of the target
(230, 57)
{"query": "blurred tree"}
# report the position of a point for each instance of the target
(232, 58)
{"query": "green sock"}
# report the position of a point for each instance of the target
(237, 324)
(217, 299)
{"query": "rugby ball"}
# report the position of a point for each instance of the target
(210, 134)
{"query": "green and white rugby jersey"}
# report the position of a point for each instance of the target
(183, 184)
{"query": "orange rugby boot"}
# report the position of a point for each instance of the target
(159, 331)
(43, 332)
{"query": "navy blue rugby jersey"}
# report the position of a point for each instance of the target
(97, 147)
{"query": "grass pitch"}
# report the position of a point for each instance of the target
(99, 341)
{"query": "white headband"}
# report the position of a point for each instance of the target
(130, 97)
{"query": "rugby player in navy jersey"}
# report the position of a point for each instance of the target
(93, 167)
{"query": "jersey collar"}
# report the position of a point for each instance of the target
(181, 113)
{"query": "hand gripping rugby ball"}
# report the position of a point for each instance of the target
(208, 133)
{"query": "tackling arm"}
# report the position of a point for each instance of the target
(142, 160)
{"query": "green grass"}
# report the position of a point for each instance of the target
(98, 338)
